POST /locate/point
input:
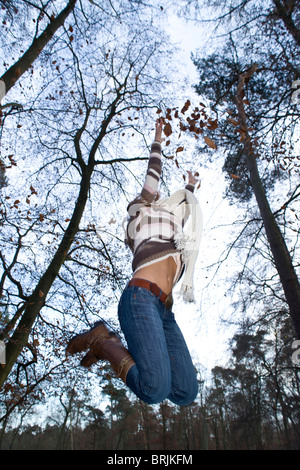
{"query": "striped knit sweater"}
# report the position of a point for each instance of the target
(151, 229)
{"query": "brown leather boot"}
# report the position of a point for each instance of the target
(83, 341)
(112, 350)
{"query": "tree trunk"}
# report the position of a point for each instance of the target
(22, 65)
(281, 255)
(60, 445)
(288, 21)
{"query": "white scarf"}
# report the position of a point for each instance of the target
(188, 240)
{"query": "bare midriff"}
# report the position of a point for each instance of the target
(161, 273)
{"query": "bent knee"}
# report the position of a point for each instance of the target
(150, 387)
(184, 397)
(155, 392)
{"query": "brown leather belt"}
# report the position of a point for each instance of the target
(150, 286)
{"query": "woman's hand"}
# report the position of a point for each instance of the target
(193, 178)
(158, 131)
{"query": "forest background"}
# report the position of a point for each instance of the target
(81, 85)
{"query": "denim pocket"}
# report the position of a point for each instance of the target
(141, 294)
(138, 303)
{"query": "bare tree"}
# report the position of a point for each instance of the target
(283, 261)
(123, 86)
(10, 77)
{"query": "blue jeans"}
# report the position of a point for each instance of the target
(163, 366)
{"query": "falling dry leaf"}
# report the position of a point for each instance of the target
(186, 106)
(235, 177)
(210, 142)
(168, 129)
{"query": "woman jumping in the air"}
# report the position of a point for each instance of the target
(163, 235)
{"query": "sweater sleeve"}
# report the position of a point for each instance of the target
(190, 187)
(150, 186)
